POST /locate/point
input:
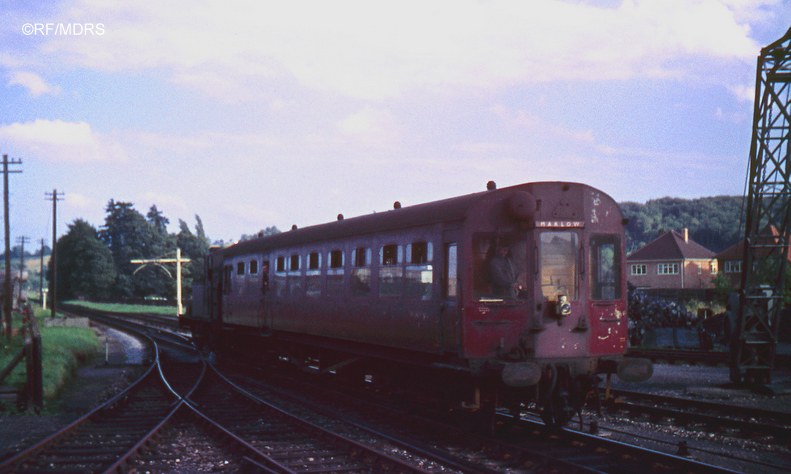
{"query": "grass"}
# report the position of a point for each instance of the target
(64, 350)
(126, 308)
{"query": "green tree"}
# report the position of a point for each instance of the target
(193, 246)
(85, 264)
(130, 236)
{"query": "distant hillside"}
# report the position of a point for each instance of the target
(713, 222)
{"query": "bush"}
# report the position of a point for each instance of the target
(647, 313)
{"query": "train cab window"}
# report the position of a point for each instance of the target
(451, 289)
(360, 281)
(391, 273)
(253, 267)
(499, 267)
(419, 270)
(335, 274)
(558, 263)
(313, 275)
(240, 268)
(605, 267)
(294, 276)
(278, 286)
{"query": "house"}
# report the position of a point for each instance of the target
(730, 259)
(672, 262)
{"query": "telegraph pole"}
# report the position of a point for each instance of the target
(41, 275)
(7, 300)
(55, 197)
(21, 240)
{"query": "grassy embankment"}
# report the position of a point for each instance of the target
(64, 350)
(127, 308)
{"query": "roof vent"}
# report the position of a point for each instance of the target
(294, 227)
(491, 186)
(340, 217)
(397, 205)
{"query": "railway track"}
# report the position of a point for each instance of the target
(748, 422)
(529, 447)
(178, 400)
(227, 436)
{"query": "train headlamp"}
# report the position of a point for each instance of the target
(563, 307)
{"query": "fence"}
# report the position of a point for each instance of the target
(31, 397)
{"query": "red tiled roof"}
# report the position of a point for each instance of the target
(736, 251)
(670, 246)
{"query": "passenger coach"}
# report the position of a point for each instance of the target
(494, 298)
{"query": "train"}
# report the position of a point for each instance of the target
(501, 299)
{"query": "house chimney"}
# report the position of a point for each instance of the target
(686, 235)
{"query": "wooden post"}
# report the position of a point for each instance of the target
(7, 300)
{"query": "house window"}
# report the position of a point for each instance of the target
(667, 269)
(639, 269)
(714, 267)
(733, 266)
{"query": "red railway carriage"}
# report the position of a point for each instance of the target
(511, 294)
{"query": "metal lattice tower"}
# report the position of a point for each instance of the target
(768, 219)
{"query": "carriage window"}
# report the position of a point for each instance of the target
(313, 275)
(605, 267)
(499, 266)
(419, 270)
(360, 282)
(294, 276)
(240, 268)
(559, 264)
(314, 261)
(278, 285)
(451, 272)
(253, 267)
(335, 273)
(391, 274)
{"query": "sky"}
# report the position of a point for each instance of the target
(253, 114)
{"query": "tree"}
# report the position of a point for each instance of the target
(130, 236)
(85, 264)
(158, 220)
(193, 246)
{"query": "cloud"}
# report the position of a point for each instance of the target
(370, 126)
(35, 85)
(372, 50)
(56, 140)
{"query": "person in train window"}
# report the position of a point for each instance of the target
(502, 272)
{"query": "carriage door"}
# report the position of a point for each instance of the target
(264, 315)
(450, 292)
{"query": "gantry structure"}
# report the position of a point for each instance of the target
(768, 219)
